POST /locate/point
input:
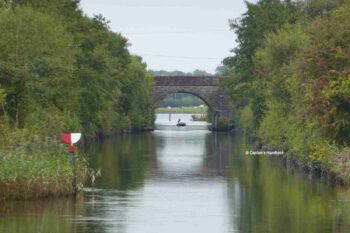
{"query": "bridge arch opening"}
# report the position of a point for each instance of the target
(186, 103)
(208, 88)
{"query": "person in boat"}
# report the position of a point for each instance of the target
(179, 123)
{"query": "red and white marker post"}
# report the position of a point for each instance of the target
(71, 139)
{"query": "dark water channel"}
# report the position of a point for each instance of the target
(177, 180)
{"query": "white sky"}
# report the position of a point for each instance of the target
(173, 34)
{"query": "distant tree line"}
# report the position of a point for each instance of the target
(181, 100)
(179, 73)
(289, 77)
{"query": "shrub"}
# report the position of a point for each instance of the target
(340, 164)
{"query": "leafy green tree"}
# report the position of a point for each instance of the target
(36, 65)
(89, 85)
(321, 8)
(261, 18)
(325, 69)
(304, 74)
(275, 63)
(61, 71)
(135, 100)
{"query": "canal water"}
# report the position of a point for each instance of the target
(183, 180)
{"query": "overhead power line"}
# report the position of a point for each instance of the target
(175, 32)
(181, 57)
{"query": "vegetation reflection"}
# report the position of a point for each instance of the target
(122, 161)
(270, 199)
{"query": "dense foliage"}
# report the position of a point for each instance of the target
(62, 71)
(290, 77)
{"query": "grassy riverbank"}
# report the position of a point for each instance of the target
(336, 171)
(192, 109)
(32, 166)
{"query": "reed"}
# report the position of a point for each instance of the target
(32, 166)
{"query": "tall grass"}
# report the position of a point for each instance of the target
(33, 166)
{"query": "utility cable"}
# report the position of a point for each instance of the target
(181, 57)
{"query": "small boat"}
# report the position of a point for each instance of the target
(181, 124)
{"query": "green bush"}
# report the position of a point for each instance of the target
(222, 124)
(246, 119)
(340, 164)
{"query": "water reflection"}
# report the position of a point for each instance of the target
(180, 191)
(123, 161)
(267, 198)
(178, 156)
(185, 181)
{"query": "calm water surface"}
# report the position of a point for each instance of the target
(186, 180)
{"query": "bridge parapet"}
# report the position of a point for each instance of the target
(186, 81)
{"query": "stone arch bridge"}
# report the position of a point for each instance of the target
(207, 88)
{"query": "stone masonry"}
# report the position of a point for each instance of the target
(208, 88)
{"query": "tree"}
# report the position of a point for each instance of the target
(65, 71)
(264, 17)
(326, 70)
(36, 63)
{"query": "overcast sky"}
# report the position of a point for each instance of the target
(173, 34)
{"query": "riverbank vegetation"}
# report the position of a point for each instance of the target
(32, 166)
(181, 100)
(61, 71)
(200, 117)
(290, 79)
(192, 109)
